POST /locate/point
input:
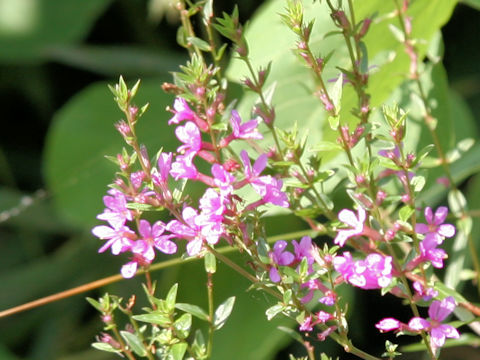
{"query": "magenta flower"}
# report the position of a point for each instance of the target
(307, 324)
(304, 249)
(183, 167)
(164, 164)
(422, 292)
(120, 238)
(190, 136)
(271, 191)
(116, 212)
(269, 188)
(430, 252)
(181, 112)
(388, 324)
(356, 223)
(197, 229)
(153, 236)
(435, 227)
(374, 272)
(223, 179)
(279, 257)
(246, 130)
(252, 173)
(438, 311)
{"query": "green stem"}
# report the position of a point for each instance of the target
(243, 272)
(211, 327)
(124, 349)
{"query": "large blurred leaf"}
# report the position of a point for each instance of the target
(294, 83)
(114, 60)
(29, 27)
(81, 135)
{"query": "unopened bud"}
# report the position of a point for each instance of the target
(364, 28)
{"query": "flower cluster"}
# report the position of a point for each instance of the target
(438, 311)
(218, 208)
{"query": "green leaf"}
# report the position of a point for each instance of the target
(336, 94)
(199, 43)
(134, 342)
(105, 347)
(172, 297)
(457, 202)
(405, 213)
(210, 263)
(177, 351)
(473, 3)
(223, 312)
(294, 95)
(84, 130)
(456, 257)
(154, 318)
(292, 333)
(183, 325)
(195, 310)
(114, 60)
(274, 311)
(30, 29)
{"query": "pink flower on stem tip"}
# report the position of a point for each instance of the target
(435, 227)
(246, 130)
(280, 257)
(355, 222)
(438, 311)
(116, 212)
(374, 272)
(181, 112)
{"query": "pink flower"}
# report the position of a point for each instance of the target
(120, 238)
(430, 252)
(181, 112)
(279, 257)
(388, 324)
(304, 249)
(190, 136)
(247, 130)
(269, 188)
(438, 311)
(223, 179)
(375, 272)
(356, 223)
(435, 227)
(307, 324)
(183, 167)
(271, 191)
(152, 236)
(197, 229)
(116, 212)
(425, 293)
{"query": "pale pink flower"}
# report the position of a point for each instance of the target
(374, 272)
(355, 222)
(246, 130)
(120, 238)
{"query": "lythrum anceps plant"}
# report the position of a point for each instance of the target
(335, 95)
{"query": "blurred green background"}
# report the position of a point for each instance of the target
(56, 57)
